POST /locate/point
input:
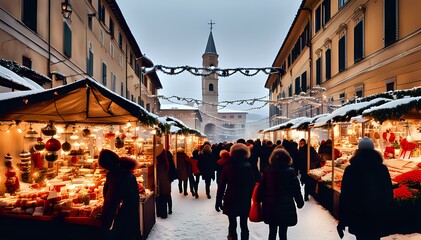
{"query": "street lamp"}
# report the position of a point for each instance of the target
(66, 9)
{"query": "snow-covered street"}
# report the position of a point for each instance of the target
(197, 219)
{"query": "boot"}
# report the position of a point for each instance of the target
(232, 237)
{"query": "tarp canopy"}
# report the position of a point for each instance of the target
(84, 101)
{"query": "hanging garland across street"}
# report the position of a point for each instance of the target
(221, 72)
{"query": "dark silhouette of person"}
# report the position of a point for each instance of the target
(278, 189)
(235, 189)
(120, 214)
(366, 194)
(303, 163)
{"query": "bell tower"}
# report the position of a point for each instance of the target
(210, 82)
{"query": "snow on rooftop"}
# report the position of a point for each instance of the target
(8, 74)
(342, 111)
(177, 107)
(225, 110)
(392, 104)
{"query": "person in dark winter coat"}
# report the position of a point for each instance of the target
(292, 148)
(235, 189)
(194, 180)
(207, 167)
(163, 194)
(366, 194)
(266, 150)
(184, 170)
(303, 164)
(120, 214)
(254, 158)
(224, 157)
(278, 189)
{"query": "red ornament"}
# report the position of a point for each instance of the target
(53, 145)
(110, 135)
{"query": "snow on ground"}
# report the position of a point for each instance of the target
(196, 219)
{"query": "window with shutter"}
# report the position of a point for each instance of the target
(390, 22)
(30, 13)
(297, 86)
(317, 17)
(328, 64)
(341, 54)
(67, 40)
(104, 74)
(91, 61)
(304, 82)
(319, 71)
(358, 41)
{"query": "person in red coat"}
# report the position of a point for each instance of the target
(278, 189)
(234, 190)
(120, 214)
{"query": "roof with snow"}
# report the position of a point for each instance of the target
(345, 112)
(84, 101)
(12, 80)
(395, 109)
(224, 110)
(177, 107)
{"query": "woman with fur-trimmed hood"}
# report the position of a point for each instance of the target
(234, 190)
(120, 214)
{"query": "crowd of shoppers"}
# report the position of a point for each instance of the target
(366, 192)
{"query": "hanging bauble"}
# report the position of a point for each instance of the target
(66, 146)
(51, 156)
(119, 143)
(86, 132)
(53, 145)
(49, 130)
(39, 146)
(110, 135)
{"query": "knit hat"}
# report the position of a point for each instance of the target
(366, 144)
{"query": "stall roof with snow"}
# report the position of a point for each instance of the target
(82, 101)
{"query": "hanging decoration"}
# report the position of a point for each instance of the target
(221, 72)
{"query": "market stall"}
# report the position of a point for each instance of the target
(399, 139)
(50, 142)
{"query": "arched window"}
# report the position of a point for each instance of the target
(211, 87)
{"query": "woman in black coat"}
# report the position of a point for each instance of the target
(366, 194)
(120, 214)
(278, 189)
(207, 167)
(235, 188)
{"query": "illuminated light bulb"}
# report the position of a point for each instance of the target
(129, 124)
(19, 130)
(74, 137)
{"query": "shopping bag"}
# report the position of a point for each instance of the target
(255, 214)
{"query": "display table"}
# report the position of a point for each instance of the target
(147, 215)
(322, 193)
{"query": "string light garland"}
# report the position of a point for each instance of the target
(221, 72)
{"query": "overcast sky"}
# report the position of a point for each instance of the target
(247, 34)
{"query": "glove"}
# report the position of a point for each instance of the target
(340, 229)
(300, 204)
(218, 206)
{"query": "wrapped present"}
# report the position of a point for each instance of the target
(406, 148)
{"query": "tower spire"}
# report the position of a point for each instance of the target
(210, 46)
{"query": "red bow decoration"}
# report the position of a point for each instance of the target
(406, 148)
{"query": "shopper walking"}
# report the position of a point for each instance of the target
(163, 195)
(366, 194)
(184, 170)
(278, 189)
(303, 165)
(207, 167)
(234, 190)
(120, 215)
(195, 178)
